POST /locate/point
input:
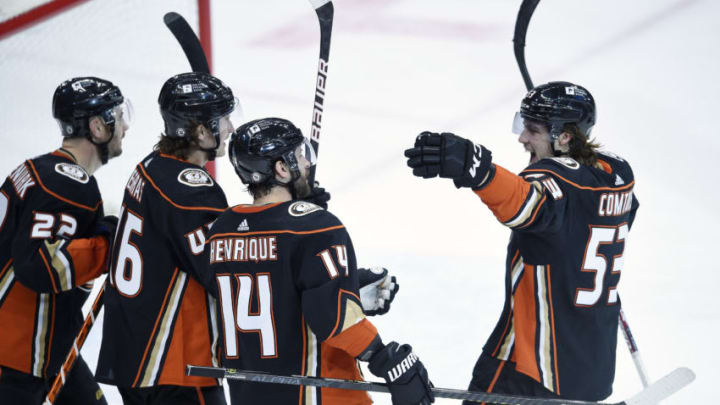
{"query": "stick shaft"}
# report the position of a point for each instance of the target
(325, 11)
(74, 352)
(521, 25)
(632, 346)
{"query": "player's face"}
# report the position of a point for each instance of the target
(122, 124)
(535, 137)
(226, 128)
(302, 187)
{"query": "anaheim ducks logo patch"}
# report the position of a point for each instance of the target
(301, 208)
(195, 178)
(73, 171)
(568, 162)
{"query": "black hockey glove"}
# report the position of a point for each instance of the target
(377, 290)
(106, 226)
(405, 375)
(318, 196)
(450, 156)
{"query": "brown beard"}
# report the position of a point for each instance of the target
(302, 188)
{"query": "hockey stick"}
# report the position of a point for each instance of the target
(188, 41)
(324, 10)
(661, 389)
(69, 362)
(521, 25)
(632, 346)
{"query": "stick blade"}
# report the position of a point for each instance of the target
(664, 387)
(319, 3)
(199, 371)
(188, 40)
(171, 18)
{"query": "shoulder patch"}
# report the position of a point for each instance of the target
(568, 162)
(610, 154)
(73, 171)
(195, 178)
(301, 208)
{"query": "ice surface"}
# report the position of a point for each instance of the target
(400, 67)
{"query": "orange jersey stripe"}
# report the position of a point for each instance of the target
(225, 235)
(525, 315)
(506, 194)
(190, 340)
(303, 371)
(60, 153)
(495, 378)
(339, 306)
(605, 166)
(49, 269)
(552, 325)
(157, 321)
(250, 209)
(182, 207)
(89, 257)
(537, 209)
(86, 207)
(354, 339)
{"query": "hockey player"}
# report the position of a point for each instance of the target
(570, 212)
(285, 275)
(54, 241)
(158, 317)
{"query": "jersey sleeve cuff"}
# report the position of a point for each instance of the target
(355, 339)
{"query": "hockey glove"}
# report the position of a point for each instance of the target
(318, 196)
(106, 226)
(377, 290)
(450, 156)
(405, 375)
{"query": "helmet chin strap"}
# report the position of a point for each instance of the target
(212, 152)
(103, 146)
(557, 149)
(290, 185)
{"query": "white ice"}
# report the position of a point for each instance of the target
(400, 67)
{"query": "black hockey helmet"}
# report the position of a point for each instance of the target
(190, 99)
(557, 104)
(256, 145)
(77, 100)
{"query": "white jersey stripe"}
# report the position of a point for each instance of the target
(6, 282)
(41, 330)
(532, 201)
(212, 304)
(64, 273)
(161, 340)
(544, 353)
(311, 366)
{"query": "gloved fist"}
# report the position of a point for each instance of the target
(405, 375)
(450, 156)
(106, 226)
(318, 196)
(377, 290)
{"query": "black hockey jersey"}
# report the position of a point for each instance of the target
(570, 223)
(158, 317)
(286, 280)
(48, 256)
